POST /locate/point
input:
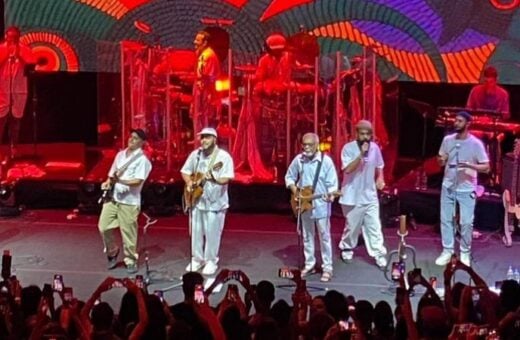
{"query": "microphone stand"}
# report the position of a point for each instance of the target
(148, 280)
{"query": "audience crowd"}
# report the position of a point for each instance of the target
(465, 312)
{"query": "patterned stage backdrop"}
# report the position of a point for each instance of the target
(419, 40)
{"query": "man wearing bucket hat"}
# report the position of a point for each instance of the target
(362, 165)
(209, 211)
(463, 156)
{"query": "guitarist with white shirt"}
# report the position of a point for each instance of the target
(126, 177)
(315, 171)
(208, 212)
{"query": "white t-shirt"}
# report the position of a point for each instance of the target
(359, 186)
(214, 196)
(139, 169)
(469, 150)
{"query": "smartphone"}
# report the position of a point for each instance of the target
(198, 295)
(453, 261)
(416, 274)
(67, 294)
(498, 285)
(118, 283)
(139, 281)
(433, 282)
(285, 273)
(397, 270)
(57, 283)
(475, 296)
(232, 292)
(159, 294)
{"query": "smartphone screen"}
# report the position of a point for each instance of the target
(396, 271)
(198, 295)
(285, 273)
(57, 283)
(67, 294)
(139, 282)
(232, 292)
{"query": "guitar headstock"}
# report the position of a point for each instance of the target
(516, 148)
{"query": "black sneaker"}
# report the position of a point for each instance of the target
(112, 261)
(131, 268)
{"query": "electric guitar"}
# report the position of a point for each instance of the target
(191, 197)
(306, 196)
(510, 198)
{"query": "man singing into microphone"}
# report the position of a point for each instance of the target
(463, 156)
(316, 170)
(14, 56)
(362, 164)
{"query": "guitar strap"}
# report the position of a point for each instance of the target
(317, 174)
(211, 161)
(130, 161)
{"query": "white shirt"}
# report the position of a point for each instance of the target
(139, 169)
(301, 172)
(469, 150)
(214, 196)
(359, 186)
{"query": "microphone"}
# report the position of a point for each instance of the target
(365, 154)
(457, 146)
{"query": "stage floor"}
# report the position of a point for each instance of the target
(45, 242)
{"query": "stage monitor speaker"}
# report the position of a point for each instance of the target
(510, 179)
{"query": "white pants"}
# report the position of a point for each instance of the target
(364, 218)
(309, 226)
(206, 226)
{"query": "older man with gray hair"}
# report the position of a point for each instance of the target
(315, 170)
(362, 165)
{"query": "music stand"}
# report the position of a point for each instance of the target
(426, 110)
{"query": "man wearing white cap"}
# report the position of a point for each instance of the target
(362, 165)
(209, 212)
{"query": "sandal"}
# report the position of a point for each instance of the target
(326, 277)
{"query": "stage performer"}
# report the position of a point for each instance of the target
(126, 177)
(272, 76)
(463, 156)
(209, 212)
(206, 102)
(489, 95)
(15, 58)
(314, 169)
(362, 165)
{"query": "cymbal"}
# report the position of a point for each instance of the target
(305, 47)
(248, 68)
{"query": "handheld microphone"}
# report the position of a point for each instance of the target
(365, 154)
(6, 265)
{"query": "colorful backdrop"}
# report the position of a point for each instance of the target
(418, 40)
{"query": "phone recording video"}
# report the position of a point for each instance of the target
(399, 295)
(232, 292)
(397, 270)
(285, 273)
(198, 295)
(57, 283)
(234, 275)
(67, 294)
(417, 274)
(139, 281)
(475, 296)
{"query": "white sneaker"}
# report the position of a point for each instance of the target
(444, 258)
(381, 261)
(465, 257)
(194, 266)
(347, 255)
(209, 269)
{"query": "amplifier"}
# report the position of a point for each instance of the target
(510, 180)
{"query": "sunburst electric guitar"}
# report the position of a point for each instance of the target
(510, 198)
